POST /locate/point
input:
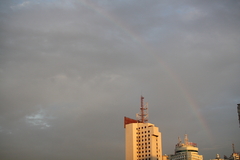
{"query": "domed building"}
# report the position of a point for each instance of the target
(217, 157)
(185, 151)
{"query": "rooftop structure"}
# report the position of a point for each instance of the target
(186, 151)
(218, 157)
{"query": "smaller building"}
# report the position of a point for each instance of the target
(217, 157)
(165, 157)
(234, 155)
(185, 151)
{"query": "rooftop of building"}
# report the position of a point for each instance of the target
(185, 146)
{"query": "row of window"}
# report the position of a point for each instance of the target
(143, 151)
(139, 148)
(144, 159)
(143, 132)
(146, 156)
(143, 148)
(143, 155)
(139, 144)
(138, 140)
(141, 127)
(184, 157)
(143, 136)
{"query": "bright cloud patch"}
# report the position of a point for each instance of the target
(39, 119)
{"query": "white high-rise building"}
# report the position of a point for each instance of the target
(142, 140)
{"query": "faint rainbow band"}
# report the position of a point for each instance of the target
(176, 79)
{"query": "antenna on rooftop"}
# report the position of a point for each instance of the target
(186, 139)
(143, 115)
(179, 140)
(233, 148)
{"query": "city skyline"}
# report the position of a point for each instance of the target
(71, 69)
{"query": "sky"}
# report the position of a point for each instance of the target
(72, 69)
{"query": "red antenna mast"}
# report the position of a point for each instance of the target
(142, 110)
(143, 115)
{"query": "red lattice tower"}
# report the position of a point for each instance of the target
(142, 117)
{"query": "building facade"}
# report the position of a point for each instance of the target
(142, 142)
(186, 151)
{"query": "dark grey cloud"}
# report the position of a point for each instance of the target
(71, 70)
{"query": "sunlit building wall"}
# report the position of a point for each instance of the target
(142, 142)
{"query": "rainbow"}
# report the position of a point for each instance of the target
(176, 79)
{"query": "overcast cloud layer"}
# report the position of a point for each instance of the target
(72, 69)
